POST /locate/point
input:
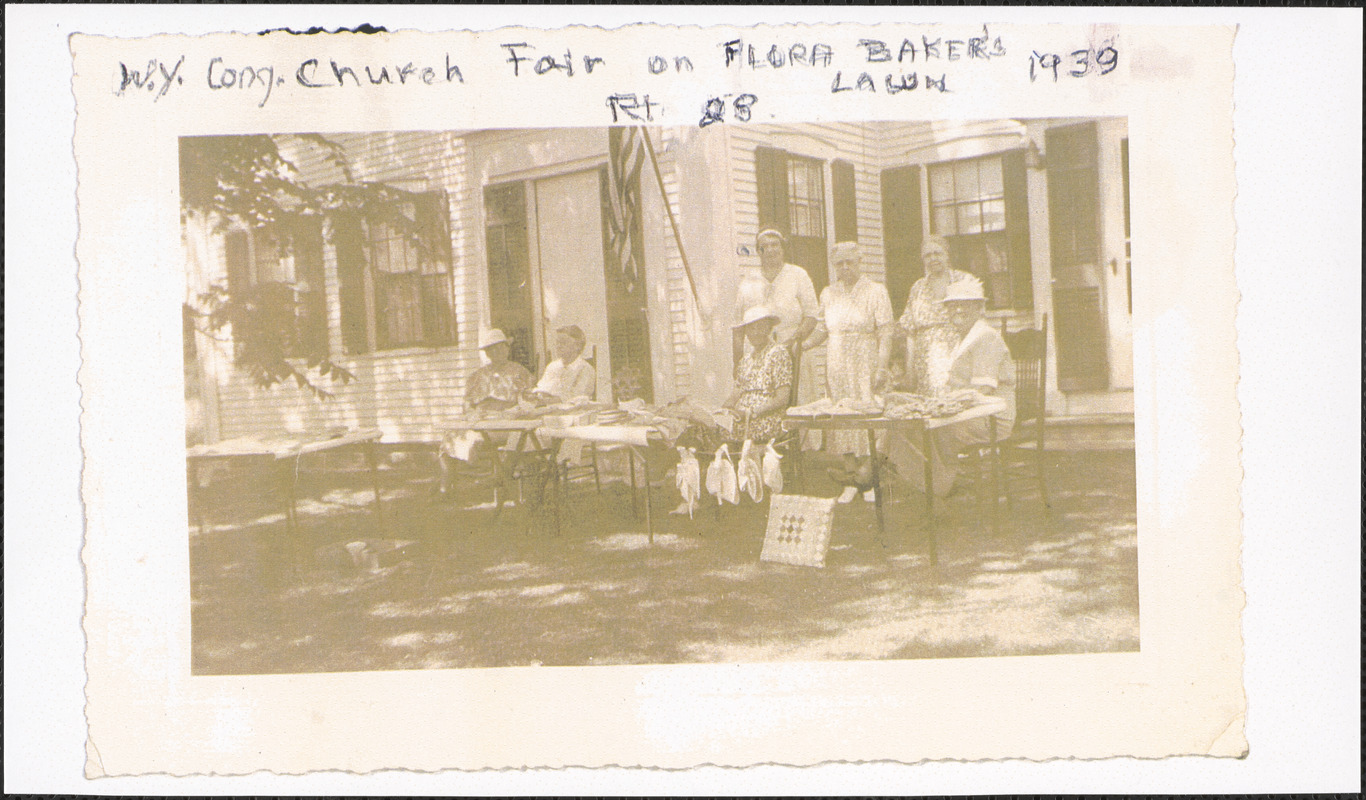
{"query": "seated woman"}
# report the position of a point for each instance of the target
(763, 381)
(494, 387)
(980, 366)
(569, 376)
(763, 391)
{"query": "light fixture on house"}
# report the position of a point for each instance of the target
(1034, 158)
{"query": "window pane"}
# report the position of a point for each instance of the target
(799, 182)
(965, 181)
(969, 218)
(941, 183)
(945, 222)
(994, 215)
(989, 171)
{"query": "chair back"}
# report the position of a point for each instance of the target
(1029, 349)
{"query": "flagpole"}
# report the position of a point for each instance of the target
(673, 223)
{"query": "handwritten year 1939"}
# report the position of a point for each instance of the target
(1078, 63)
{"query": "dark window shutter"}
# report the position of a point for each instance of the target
(1074, 240)
(1073, 166)
(901, 231)
(347, 237)
(237, 253)
(845, 201)
(1015, 180)
(770, 172)
(433, 218)
(509, 269)
(308, 261)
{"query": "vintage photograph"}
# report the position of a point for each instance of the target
(658, 395)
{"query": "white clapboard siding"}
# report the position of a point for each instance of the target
(410, 394)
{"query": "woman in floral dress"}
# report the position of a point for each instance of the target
(493, 388)
(763, 381)
(856, 318)
(930, 337)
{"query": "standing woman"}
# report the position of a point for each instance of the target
(930, 336)
(856, 318)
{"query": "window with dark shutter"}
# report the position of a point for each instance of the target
(279, 270)
(980, 205)
(791, 195)
(411, 277)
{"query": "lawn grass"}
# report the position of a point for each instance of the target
(475, 591)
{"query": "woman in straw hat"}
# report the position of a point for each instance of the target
(763, 381)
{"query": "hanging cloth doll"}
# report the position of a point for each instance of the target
(772, 469)
(689, 478)
(721, 480)
(750, 472)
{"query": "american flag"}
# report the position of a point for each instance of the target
(625, 156)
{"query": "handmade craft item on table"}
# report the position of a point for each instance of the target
(798, 530)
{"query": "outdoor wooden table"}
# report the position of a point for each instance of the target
(875, 423)
(505, 460)
(636, 439)
(283, 455)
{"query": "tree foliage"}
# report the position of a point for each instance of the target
(248, 181)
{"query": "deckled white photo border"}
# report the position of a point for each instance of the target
(926, 768)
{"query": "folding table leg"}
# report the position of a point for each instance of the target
(930, 524)
(877, 487)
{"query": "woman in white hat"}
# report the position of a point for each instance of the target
(763, 380)
(979, 366)
(492, 388)
(497, 385)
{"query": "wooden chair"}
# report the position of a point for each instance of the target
(1019, 458)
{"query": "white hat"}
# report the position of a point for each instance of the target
(754, 314)
(844, 248)
(490, 337)
(966, 289)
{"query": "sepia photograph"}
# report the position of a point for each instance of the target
(815, 391)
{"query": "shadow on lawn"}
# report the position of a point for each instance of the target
(478, 592)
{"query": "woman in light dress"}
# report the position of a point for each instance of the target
(930, 337)
(856, 324)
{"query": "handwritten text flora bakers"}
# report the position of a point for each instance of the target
(934, 63)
